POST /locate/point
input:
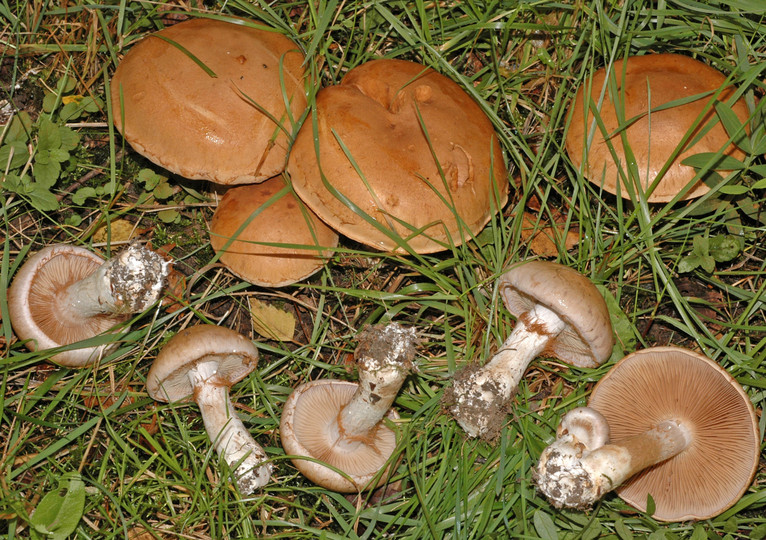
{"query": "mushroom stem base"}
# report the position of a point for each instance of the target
(231, 439)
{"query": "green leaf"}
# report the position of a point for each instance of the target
(169, 216)
(592, 530)
(49, 101)
(721, 163)
(621, 324)
(724, 247)
(70, 139)
(81, 195)
(735, 189)
(71, 111)
(57, 514)
(57, 154)
(760, 184)
(16, 152)
(163, 190)
(758, 532)
(733, 126)
(622, 530)
(42, 198)
(657, 535)
(19, 129)
(650, 506)
(148, 178)
(48, 135)
(544, 525)
(46, 172)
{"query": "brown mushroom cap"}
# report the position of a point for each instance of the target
(664, 383)
(205, 127)
(37, 314)
(653, 137)
(309, 428)
(588, 339)
(167, 379)
(285, 221)
(389, 171)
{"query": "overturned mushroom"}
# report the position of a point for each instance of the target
(560, 314)
(65, 294)
(341, 423)
(680, 429)
(201, 363)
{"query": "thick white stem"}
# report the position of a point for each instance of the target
(129, 282)
(232, 440)
(481, 395)
(384, 359)
(571, 475)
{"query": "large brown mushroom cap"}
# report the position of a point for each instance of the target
(309, 427)
(236, 356)
(432, 176)
(204, 127)
(653, 137)
(285, 221)
(665, 383)
(37, 314)
(588, 339)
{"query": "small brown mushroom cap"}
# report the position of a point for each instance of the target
(236, 356)
(309, 428)
(285, 221)
(406, 145)
(666, 383)
(37, 314)
(205, 127)
(588, 338)
(652, 137)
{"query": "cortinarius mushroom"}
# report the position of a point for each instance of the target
(406, 146)
(231, 126)
(680, 429)
(283, 243)
(656, 133)
(560, 314)
(341, 423)
(201, 363)
(65, 294)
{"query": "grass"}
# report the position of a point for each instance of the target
(148, 470)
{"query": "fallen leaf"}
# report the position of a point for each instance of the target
(122, 230)
(270, 321)
(541, 236)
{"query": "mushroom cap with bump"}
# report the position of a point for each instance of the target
(309, 427)
(406, 146)
(233, 127)
(654, 134)
(278, 241)
(235, 355)
(40, 317)
(588, 338)
(671, 383)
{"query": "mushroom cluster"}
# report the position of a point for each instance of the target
(664, 422)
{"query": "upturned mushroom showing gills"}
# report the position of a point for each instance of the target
(201, 363)
(341, 423)
(65, 294)
(560, 314)
(398, 153)
(211, 100)
(636, 129)
(680, 429)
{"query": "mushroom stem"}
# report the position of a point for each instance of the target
(478, 393)
(232, 440)
(130, 282)
(570, 474)
(384, 358)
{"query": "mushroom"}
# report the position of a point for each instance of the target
(277, 242)
(397, 150)
(643, 85)
(339, 424)
(65, 294)
(681, 430)
(560, 314)
(201, 363)
(211, 100)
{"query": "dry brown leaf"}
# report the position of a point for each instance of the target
(542, 239)
(270, 321)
